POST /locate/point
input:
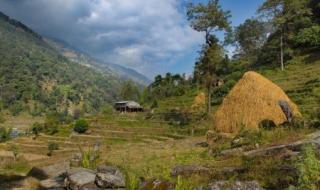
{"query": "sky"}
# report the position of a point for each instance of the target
(151, 36)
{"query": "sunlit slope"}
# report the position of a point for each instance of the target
(301, 81)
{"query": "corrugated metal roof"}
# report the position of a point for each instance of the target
(130, 104)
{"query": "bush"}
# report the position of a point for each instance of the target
(52, 130)
(4, 134)
(267, 124)
(51, 147)
(154, 104)
(36, 128)
(309, 36)
(298, 122)
(315, 124)
(16, 108)
(81, 126)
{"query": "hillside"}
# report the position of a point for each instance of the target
(300, 80)
(112, 70)
(36, 78)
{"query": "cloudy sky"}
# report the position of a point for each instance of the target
(150, 36)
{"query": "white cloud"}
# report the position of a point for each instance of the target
(139, 34)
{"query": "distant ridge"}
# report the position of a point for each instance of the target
(19, 24)
(76, 55)
(36, 78)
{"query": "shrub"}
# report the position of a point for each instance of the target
(16, 108)
(52, 147)
(315, 124)
(4, 134)
(298, 122)
(267, 124)
(309, 169)
(36, 128)
(81, 126)
(53, 130)
(154, 104)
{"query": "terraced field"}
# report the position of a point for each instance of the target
(108, 134)
(301, 81)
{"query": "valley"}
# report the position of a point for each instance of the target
(242, 120)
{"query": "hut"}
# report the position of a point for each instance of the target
(128, 106)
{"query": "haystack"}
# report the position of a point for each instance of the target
(252, 100)
(199, 101)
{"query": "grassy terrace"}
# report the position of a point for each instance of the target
(301, 82)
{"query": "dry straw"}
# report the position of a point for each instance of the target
(252, 100)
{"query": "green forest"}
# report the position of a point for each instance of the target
(37, 79)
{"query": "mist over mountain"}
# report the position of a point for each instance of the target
(76, 55)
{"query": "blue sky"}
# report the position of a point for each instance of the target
(150, 36)
(240, 11)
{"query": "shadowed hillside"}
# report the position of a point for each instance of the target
(36, 78)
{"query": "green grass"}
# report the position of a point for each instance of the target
(19, 166)
(300, 80)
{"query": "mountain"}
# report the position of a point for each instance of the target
(35, 77)
(75, 55)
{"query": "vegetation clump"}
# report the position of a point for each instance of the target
(52, 147)
(81, 126)
(5, 134)
(309, 169)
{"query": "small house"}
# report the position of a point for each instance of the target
(128, 106)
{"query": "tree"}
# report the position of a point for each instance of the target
(309, 37)
(208, 18)
(207, 66)
(36, 128)
(130, 91)
(287, 17)
(250, 36)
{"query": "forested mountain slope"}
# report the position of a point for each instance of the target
(109, 69)
(35, 77)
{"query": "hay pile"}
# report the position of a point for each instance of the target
(252, 100)
(199, 101)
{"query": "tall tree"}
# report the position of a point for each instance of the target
(286, 16)
(130, 91)
(206, 69)
(208, 18)
(250, 36)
